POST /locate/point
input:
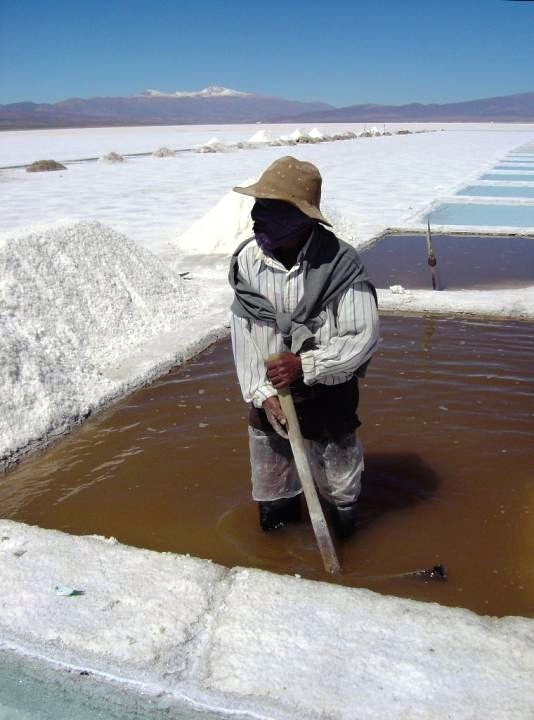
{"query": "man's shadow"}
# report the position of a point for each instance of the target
(391, 481)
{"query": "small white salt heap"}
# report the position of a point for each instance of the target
(262, 136)
(223, 227)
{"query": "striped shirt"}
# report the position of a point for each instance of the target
(345, 337)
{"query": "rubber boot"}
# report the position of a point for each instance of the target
(344, 520)
(276, 513)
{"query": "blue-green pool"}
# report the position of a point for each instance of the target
(519, 191)
(32, 690)
(526, 177)
(525, 167)
(520, 216)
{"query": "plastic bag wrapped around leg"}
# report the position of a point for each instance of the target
(274, 475)
(337, 467)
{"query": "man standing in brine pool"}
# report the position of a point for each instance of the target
(301, 292)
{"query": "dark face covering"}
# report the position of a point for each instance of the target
(276, 221)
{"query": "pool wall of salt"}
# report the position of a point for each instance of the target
(190, 633)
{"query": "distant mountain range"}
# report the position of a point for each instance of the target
(153, 107)
(223, 105)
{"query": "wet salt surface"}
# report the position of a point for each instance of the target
(448, 429)
(464, 261)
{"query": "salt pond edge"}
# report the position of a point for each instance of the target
(253, 643)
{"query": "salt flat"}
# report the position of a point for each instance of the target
(369, 183)
(19, 147)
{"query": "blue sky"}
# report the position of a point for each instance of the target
(380, 51)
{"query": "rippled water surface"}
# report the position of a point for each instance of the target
(448, 412)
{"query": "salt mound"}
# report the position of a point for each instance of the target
(316, 134)
(75, 298)
(283, 140)
(112, 157)
(164, 152)
(223, 227)
(228, 223)
(262, 136)
(342, 225)
(297, 134)
(212, 146)
(45, 166)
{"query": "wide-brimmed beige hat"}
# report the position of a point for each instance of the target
(294, 181)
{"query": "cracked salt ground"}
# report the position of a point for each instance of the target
(448, 429)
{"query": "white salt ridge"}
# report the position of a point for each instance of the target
(515, 303)
(251, 642)
(316, 134)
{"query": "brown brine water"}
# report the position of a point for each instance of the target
(463, 261)
(448, 426)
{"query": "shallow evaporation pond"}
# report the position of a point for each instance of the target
(515, 191)
(448, 426)
(521, 177)
(483, 215)
(523, 167)
(464, 261)
(30, 689)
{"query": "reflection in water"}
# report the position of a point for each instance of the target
(393, 481)
(464, 261)
(429, 325)
(447, 408)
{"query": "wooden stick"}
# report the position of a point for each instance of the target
(431, 256)
(320, 527)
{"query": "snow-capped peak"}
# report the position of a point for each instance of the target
(211, 91)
